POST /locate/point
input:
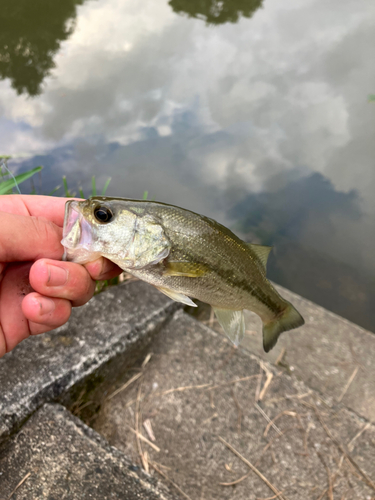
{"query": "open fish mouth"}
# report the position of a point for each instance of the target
(77, 233)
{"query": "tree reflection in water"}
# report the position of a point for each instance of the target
(30, 35)
(216, 11)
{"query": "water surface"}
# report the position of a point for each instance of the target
(256, 113)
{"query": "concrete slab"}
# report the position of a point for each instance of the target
(325, 353)
(58, 457)
(197, 389)
(101, 339)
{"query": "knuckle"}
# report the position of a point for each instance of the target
(46, 231)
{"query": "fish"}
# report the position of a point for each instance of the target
(183, 254)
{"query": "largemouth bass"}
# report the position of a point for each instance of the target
(184, 255)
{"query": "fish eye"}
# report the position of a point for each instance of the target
(103, 214)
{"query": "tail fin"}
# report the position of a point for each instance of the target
(289, 319)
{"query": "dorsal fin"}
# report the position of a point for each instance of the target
(262, 252)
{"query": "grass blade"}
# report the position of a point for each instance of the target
(54, 190)
(93, 185)
(7, 185)
(66, 189)
(106, 186)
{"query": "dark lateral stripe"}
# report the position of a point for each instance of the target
(244, 285)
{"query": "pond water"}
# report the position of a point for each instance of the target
(258, 113)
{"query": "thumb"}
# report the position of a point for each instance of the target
(24, 238)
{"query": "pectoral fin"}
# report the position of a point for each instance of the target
(233, 323)
(188, 269)
(177, 296)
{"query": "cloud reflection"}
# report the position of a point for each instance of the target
(274, 106)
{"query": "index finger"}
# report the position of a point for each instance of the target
(48, 207)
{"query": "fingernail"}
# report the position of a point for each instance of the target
(46, 305)
(57, 276)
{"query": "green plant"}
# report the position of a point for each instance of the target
(69, 194)
(8, 184)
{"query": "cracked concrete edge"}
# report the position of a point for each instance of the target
(148, 482)
(91, 347)
(23, 452)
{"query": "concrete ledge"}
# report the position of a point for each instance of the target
(197, 387)
(61, 458)
(325, 353)
(101, 339)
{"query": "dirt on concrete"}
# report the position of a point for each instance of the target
(216, 422)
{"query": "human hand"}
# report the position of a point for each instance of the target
(37, 289)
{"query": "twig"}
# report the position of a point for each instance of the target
(146, 462)
(143, 438)
(270, 422)
(329, 476)
(209, 386)
(185, 388)
(270, 498)
(355, 357)
(210, 418)
(351, 443)
(342, 449)
(273, 440)
(146, 360)
(147, 425)
(310, 426)
(212, 402)
(137, 412)
(234, 381)
(123, 387)
(237, 480)
(280, 356)
(260, 377)
(170, 480)
(348, 383)
(19, 484)
(239, 411)
(322, 494)
(253, 468)
(290, 396)
(161, 465)
(269, 378)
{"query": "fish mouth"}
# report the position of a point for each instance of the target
(77, 232)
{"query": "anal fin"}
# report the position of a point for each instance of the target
(233, 323)
(177, 296)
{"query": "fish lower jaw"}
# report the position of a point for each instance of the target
(80, 255)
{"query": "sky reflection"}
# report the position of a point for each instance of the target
(264, 124)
